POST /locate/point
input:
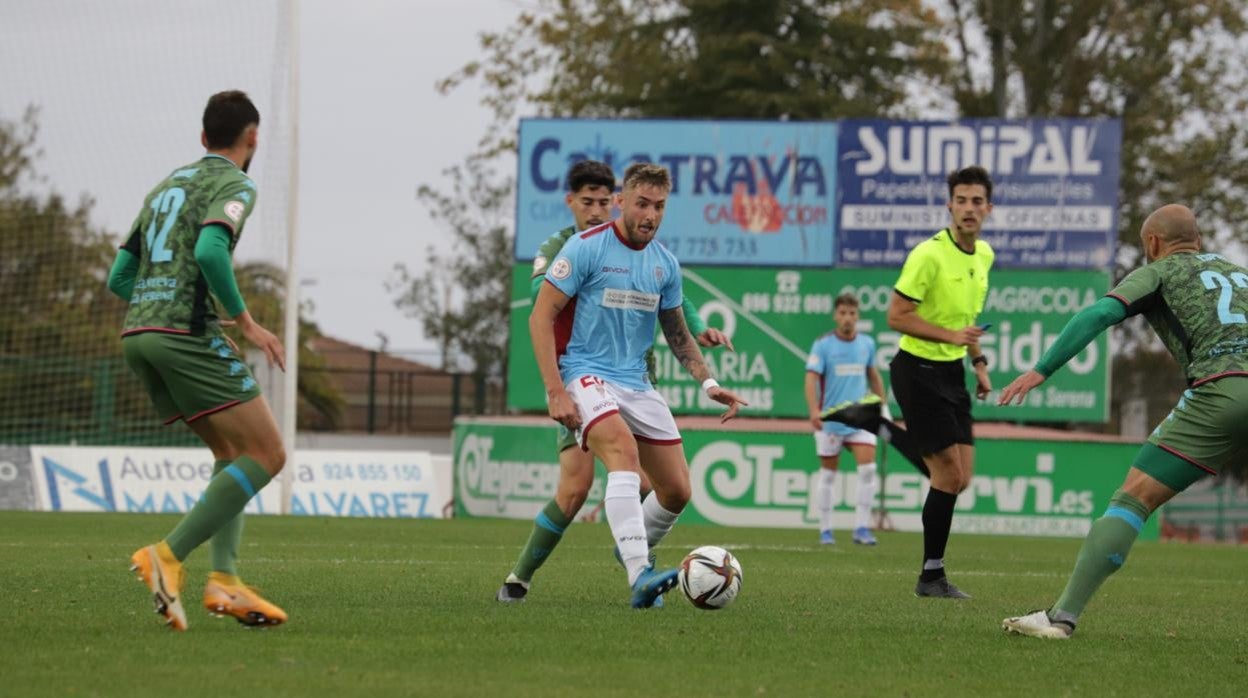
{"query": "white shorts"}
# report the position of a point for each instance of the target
(644, 411)
(828, 444)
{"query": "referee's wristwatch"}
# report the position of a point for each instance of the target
(977, 360)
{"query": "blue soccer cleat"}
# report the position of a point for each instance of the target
(658, 603)
(826, 538)
(863, 536)
(652, 585)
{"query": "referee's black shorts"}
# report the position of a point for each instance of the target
(934, 401)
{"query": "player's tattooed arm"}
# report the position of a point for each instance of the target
(686, 350)
(684, 347)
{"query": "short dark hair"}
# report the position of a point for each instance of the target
(227, 115)
(846, 299)
(971, 175)
(590, 173)
(647, 173)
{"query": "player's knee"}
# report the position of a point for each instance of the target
(675, 497)
(866, 475)
(271, 456)
(571, 494)
(620, 455)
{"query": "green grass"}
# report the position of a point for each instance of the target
(386, 607)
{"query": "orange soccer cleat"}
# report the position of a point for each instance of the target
(226, 595)
(163, 575)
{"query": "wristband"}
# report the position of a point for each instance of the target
(977, 360)
(708, 384)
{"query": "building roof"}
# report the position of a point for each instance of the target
(341, 354)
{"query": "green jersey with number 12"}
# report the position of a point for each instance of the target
(170, 292)
(1198, 305)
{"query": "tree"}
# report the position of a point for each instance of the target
(464, 299)
(788, 59)
(691, 58)
(1170, 69)
(56, 355)
(59, 355)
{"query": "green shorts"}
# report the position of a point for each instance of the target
(188, 377)
(564, 439)
(1202, 434)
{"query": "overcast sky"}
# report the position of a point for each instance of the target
(121, 85)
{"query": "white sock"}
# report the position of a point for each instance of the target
(623, 505)
(823, 498)
(867, 489)
(658, 520)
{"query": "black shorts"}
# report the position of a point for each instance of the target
(934, 401)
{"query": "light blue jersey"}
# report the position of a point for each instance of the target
(842, 369)
(619, 292)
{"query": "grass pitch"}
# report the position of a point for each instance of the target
(388, 607)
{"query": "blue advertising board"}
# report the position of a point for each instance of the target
(1055, 190)
(743, 193)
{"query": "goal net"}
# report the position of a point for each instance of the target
(98, 102)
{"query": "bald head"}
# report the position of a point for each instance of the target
(1171, 228)
(1173, 223)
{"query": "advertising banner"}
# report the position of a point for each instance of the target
(1033, 488)
(1055, 192)
(743, 193)
(17, 487)
(773, 316)
(171, 480)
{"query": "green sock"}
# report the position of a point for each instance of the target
(225, 541)
(1103, 552)
(228, 492)
(548, 529)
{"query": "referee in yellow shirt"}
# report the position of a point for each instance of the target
(936, 300)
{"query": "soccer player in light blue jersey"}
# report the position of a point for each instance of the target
(624, 285)
(840, 366)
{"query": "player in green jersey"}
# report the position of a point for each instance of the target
(175, 262)
(1197, 303)
(590, 187)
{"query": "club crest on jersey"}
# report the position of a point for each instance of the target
(234, 209)
(658, 274)
(561, 269)
(539, 265)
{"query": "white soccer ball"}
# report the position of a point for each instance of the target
(711, 577)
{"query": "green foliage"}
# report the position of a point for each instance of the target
(463, 300)
(386, 607)
(58, 351)
(60, 358)
(650, 58)
(788, 59)
(1172, 70)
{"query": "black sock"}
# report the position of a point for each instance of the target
(937, 518)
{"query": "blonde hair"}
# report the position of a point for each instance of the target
(647, 173)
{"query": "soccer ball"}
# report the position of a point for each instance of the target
(711, 577)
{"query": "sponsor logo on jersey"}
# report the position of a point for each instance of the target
(616, 270)
(561, 269)
(624, 299)
(234, 209)
(539, 265)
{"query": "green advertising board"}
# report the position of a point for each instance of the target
(767, 479)
(773, 316)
